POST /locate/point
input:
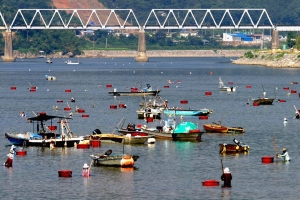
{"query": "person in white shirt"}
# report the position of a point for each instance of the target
(284, 155)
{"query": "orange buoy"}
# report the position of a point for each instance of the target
(68, 90)
(80, 110)
(108, 85)
(208, 93)
(65, 173)
(267, 159)
(113, 106)
(230, 83)
(184, 101)
(67, 108)
(52, 128)
(255, 104)
(84, 115)
(248, 86)
(13, 88)
(210, 183)
(21, 152)
(293, 91)
(95, 143)
(286, 88)
(121, 105)
(59, 101)
(32, 90)
(149, 119)
(83, 146)
(203, 117)
(166, 86)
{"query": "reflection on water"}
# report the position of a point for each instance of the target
(166, 169)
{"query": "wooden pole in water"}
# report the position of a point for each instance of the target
(222, 166)
(275, 147)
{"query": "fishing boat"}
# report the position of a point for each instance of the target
(222, 87)
(147, 91)
(144, 113)
(43, 136)
(132, 130)
(215, 128)
(70, 62)
(263, 100)
(187, 131)
(187, 112)
(238, 147)
(161, 132)
(115, 160)
(155, 102)
(119, 138)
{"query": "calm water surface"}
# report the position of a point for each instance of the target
(167, 169)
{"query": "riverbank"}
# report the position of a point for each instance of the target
(151, 53)
(275, 60)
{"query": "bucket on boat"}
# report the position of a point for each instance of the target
(149, 119)
(113, 106)
(13, 88)
(208, 93)
(184, 101)
(65, 173)
(52, 128)
(267, 159)
(210, 183)
(68, 90)
(21, 152)
(95, 143)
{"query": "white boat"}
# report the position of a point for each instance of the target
(70, 62)
(222, 87)
(49, 60)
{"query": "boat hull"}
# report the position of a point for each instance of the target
(113, 138)
(233, 148)
(263, 101)
(187, 136)
(147, 93)
(115, 160)
(214, 128)
(202, 112)
(236, 130)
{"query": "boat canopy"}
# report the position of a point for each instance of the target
(44, 117)
(185, 127)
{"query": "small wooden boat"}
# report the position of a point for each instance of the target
(215, 128)
(117, 160)
(263, 100)
(238, 147)
(236, 130)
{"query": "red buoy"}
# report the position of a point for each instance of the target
(255, 104)
(166, 86)
(203, 117)
(281, 100)
(52, 128)
(13, 88)
(67, 108)
(32, 90)
(68, 90)
(59, 101)
(83, 146)
(286, 88)
(293, 91)
(184, 101)
(248, 86)
(208, 93)
(299, 94)
(95, 143)
(80, 110)
(267, 159)
(65, 173)
(210, 183)
(43, 113)
(108, 85)
(33, 87)
(21, 153)
(134, 89)
(84, 116)
(294, 82)
(113, 106)
(149, 119)
(121, 105)
(230, 83)
(195, 131)
(179, 81)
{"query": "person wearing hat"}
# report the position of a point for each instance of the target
(284, 155)
(10, 157)
(85, 170)
(226, 177)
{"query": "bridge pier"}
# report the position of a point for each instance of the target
(8, 50)
(275, 40)
(141, 55)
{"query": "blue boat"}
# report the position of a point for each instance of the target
(182, 112)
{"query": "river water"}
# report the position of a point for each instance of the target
(167, 169)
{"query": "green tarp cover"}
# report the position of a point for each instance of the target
(185, 127)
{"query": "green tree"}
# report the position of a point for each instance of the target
(291, 39)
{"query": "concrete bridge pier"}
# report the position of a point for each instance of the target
(141, 55)
(275, 40)
(8, 50)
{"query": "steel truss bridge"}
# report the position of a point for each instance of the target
(95, 19)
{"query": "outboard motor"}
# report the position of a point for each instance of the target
(96, 131)
(236, 142)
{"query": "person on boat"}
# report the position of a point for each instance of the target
(85, 170)
(10, 157)
(297, 116)
(23, 114)
(284, 155)
(72, 99)
(285, 120)
(226, 177)
(71, 114)
(166, 104)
